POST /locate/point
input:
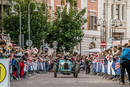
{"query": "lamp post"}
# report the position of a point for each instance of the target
(63, 50)
(35, 10)
(110, 31)
(46, 7)
(20, 20)
(2, 11)
(102, 23)
(55, 43)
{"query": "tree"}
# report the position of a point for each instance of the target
(39, 23)
(66, 27)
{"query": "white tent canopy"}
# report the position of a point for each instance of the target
(94, 50)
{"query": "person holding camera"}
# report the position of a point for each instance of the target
(125, 62)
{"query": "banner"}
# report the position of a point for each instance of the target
(4, 73)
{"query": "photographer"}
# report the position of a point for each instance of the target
(2, 49)
(125, 62)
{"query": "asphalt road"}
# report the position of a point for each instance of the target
(47, 80)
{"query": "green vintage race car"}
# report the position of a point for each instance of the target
(66, 67)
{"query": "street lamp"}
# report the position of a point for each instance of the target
(20, 21)
(35, 10)
(46, 7)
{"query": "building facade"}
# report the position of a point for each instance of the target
(91, 39)
(116, 15)
(108, 21)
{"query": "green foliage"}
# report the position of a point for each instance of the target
(66, 28)
(39, 24)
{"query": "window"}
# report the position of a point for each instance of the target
(123, 12)
(50, 7)
(93, 23)
(93, 0)
(117, 35)
(60, 7)
(112, 11)
(118, 11)
(104, 10)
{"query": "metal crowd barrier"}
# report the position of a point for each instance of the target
(32, 67)
(109, 67)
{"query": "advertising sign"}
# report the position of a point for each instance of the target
(4, 73)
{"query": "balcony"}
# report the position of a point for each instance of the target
(118, 36)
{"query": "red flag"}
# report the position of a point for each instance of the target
(108, 57)
(96, 56)
(102, 61)
(97, 60)
(117, 65)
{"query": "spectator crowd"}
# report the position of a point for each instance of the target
(110, 63)
(25, 61)
(113, 63)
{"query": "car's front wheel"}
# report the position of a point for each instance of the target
(55, 70)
